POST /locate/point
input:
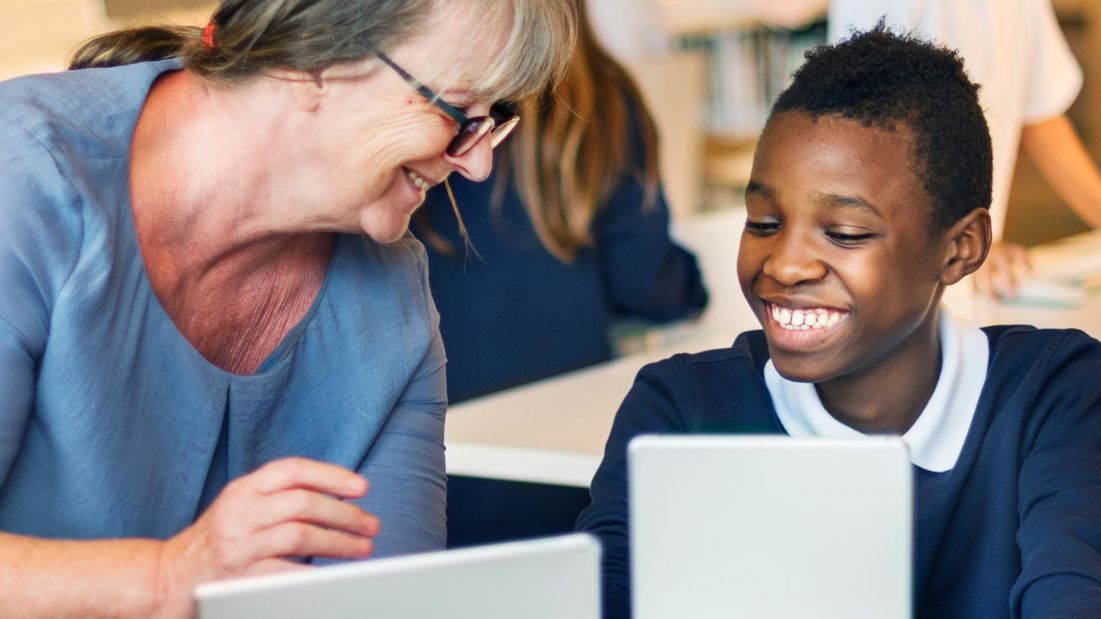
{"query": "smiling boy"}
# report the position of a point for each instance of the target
(868, 197)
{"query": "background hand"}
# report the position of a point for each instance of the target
(1005, 267)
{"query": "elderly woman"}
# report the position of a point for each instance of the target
(215, 328)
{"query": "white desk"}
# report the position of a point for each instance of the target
(553, 431)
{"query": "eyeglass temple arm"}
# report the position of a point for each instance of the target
(423, 90)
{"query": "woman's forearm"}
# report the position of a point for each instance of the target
(60, 579)
(291, 507)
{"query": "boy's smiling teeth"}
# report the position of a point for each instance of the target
(806, 318)
(418, 181)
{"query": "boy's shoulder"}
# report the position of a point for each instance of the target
(1029, 345)
(748, 348)
(720, 374)
(721, 390)
(1032, 369)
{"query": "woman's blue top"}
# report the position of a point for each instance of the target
(111, 423)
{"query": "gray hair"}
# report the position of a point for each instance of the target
(252, 37)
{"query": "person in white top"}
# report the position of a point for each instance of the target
(637, 29)
(1016, 52)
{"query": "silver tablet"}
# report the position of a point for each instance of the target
(549, 578)
(756, 526)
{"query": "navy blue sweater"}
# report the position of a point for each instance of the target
(518, 314)
(1013, 530)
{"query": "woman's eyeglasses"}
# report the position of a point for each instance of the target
(497, 125)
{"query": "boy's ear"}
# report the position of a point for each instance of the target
(966, 244)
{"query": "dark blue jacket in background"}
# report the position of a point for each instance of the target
(517, 314)
(1013, 530)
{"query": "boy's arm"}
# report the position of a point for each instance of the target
(1060, 493)
(651, 406)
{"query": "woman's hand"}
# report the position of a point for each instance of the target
(1005, 267)
(287, 508)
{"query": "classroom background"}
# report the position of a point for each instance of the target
(708, 68)
(709, 71)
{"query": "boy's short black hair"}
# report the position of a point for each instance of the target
(882, 79)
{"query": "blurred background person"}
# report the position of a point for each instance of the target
(571, 233)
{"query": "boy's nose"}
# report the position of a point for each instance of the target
(793, 262)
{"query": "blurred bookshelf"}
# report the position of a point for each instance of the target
(748, 66)
(750, 55)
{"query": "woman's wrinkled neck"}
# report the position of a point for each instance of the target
(206, 161)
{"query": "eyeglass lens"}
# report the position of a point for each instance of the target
(475, 129)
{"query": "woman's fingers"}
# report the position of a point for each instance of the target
(287, 508)
(293, 495)
(289, 473)
(289, 539)
(274, 566)
(314, 508)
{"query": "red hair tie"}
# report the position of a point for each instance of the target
(208, 35)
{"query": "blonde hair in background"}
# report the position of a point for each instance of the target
(570, 151)
(574, 144)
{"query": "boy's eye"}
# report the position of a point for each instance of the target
(848, 240)
(761, 228)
